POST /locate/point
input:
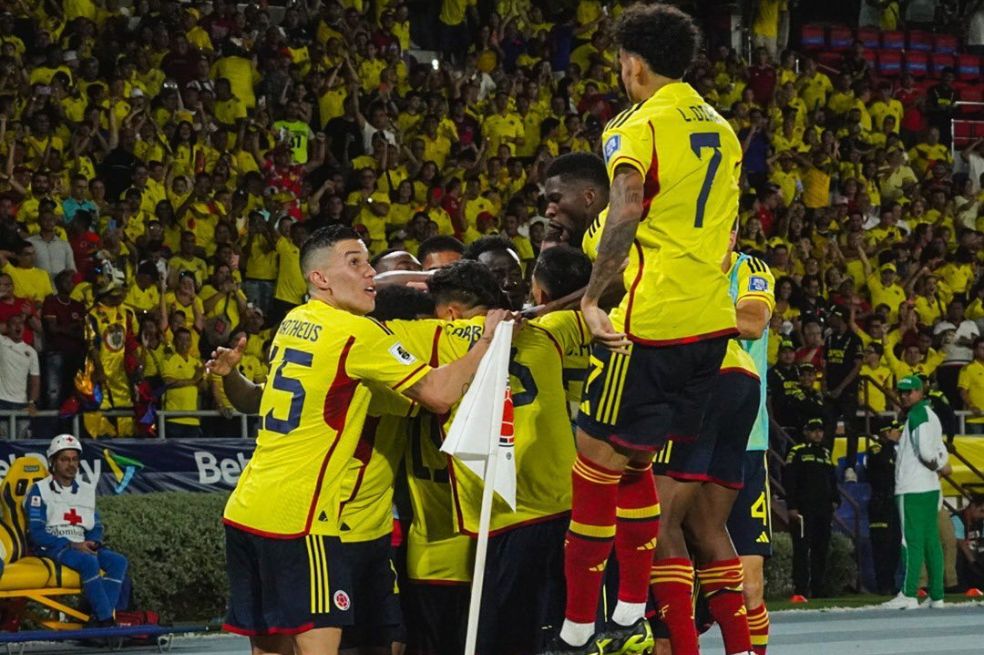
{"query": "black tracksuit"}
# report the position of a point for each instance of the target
(811, 489)
(883, 515)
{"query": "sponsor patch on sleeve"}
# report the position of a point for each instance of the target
(401, 354)
(35, 501)
(612, 145)
(757, 283)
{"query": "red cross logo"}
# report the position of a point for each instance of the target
(72, 517)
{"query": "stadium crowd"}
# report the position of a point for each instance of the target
(165, 163)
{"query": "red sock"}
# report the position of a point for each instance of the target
(594, 492)
(758, 626)
(637, 526)
(720, 582)
(673, 586)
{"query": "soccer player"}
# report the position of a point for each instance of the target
(576, 189)
(289, 586)
(673, 162)
(524, 567)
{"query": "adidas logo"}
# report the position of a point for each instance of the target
(763, 538)
(600, 568)
(651, 545)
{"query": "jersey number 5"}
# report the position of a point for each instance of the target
(282, 382)
(699, 141)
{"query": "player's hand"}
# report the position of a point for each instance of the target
(603, 331)
(492, 319)
(225, 360)
(83, 547)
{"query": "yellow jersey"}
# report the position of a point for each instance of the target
(971, 380)
(876, 400)
(366, 508)
(291, 286)
(181, 399)
(577, 352)
(690, 160)
(312, 414)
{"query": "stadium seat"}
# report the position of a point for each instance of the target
(870, 56)
(969, 68)
(812, 37)
(892, 40)
(938, 61)
(890, 63)
(832, 60)
(971, 92)
(946, 44)
(840, 38)
(33, 578)
(920, 41)
(917, 63)
(870, 37)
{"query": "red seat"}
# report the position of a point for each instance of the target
(920, 40)
(870, 37)
(840, 38)
(969, 68)
(946, 44)
(917, 63)
(971, 93)
(832, 60)
(812, 37)
(893, 40)
(890, 63)
(871, 57)
(937, 62)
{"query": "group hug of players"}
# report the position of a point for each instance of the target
(656, 499)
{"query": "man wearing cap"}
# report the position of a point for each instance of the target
(920, 461)
(811, 498)
(784, 390)
(883, 516)
(886, 290)
(843, 352)
(63, 524)
(809, 402)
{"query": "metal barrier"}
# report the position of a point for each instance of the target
(12, 417)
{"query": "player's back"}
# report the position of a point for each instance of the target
(689, 158)
(312, 413)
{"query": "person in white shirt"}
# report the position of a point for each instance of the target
(956, 335)
(20, 375)
(920, 460)
(52, 253)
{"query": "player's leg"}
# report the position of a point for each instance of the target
(750, 527)
(272, 645)
(320, 641)
(753, 593)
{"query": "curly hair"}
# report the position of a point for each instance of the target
(665, 37)
(467, 282)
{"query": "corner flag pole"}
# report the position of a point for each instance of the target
(481, 550)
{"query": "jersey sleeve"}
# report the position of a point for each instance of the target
(385, 402)
(567, 327)
(629, 145)
(377, 355)
(756, 281)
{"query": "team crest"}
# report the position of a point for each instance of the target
(756, 283)
(612, 146)
(341, 600)
(114, 338)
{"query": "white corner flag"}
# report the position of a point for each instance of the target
(482, 430)
(481, 438)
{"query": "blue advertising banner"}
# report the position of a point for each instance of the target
(147, 465)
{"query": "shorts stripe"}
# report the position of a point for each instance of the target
(318, 569)
(663, 454)
(312, 580)
(326, 592)
(617, 403)
(614, 381)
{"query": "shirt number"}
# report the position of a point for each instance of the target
(282, 382)
(759, 509)
(699, 141)
(522, 373)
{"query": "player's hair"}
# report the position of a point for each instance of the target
(324, 237)
(579, 167)
(491, 243)
(466, 282)
(665, 37)
(401, 302)
(439, 243)
(562, 270)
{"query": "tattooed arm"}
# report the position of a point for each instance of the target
(624, 214)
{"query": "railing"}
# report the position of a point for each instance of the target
(13, 417)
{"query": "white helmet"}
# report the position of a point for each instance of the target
(63, 442)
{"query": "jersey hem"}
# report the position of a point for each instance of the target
(227, 627)
(262, 533)
(742, 371)
(682, 341)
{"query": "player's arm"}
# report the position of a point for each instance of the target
(753, 317)
(756, 298)
(624, 213)
(243, 395)
(442, 387)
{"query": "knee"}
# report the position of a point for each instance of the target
(753, 591)
(86, 565)
(113, 563)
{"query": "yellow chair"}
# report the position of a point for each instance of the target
(24, 576)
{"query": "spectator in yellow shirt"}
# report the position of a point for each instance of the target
(971, 385)
(885, 290)
(876, 380)
(291, 286)
(183, 373)
(29, 281)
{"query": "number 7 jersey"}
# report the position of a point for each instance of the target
(690, 162)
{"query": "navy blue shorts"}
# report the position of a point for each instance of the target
(285, 586)
(436, 617)
(640, 400)
(718, 453)
(750, 523)
(375, 594)
(524, 593)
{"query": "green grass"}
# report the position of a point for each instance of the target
(856, 600)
